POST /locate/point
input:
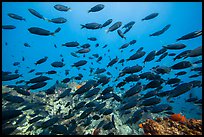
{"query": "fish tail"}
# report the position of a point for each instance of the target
(24, 19)
(143, 19)
(178, 39)
(46, 19)
(89, 11)
(53, 33)
(82, 26)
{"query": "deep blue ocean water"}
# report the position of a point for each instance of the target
(184, 17)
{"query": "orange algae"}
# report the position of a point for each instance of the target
(178, 117)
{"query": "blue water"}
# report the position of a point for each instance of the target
(184, 17)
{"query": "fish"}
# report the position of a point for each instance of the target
(198, 61)
(79, 63)
(114, 26)
(96, 8)
(131, 69)
(151, 16)
(91, 93)
(171, 54)
(32, 70)
(190, 35)
(9, 114)
(161, 51)
(99, 71)
(58, 20)
(194, 76)
(71, 44)
(74, 54)
(16, 63)
(10, 77)
(57, 64)
(99, 59)
(132, 42)
(173, 81)
(64, 93)
(137, 55)
(86, 87)
(66, 80)
(105, 46)
(150, 101)
(92, 39)
(8, 27)
(197, 69)
(85, 113)
(84, 50)
(182, 55)
(96, 45)
(49, 122)
(162, 56)
(60, 7)
(26, 45)
(15, 16)
(42, 32)
(104, 80)
(108, 126)
(14, 99)
(160, 108)
(176, 46)
(160, 31)
(79, 105)
(120, 33)
(109, 21)
(124, 46)
(161, 69)
(181, 65)
(133, 90)
(38, 79)
(195, 52)
(130, 24)
(153, 84)
(51, 72)
(180, 73)
(37, 14)
(132, 78)
(37, 85)
(127, 29)
(112, 62)
(150, 56)
(91, 26)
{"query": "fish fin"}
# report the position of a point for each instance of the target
(46, 19)
(53, 34)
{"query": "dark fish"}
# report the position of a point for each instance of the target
(171, 54)
(161, 69)
(150, 94)
(35, 119)
(161, 51)
(197, 69)
(164, 93)
(86, 113)
(74, 54)
(51, 72)
(79, 63)
(194, 76)
(86, 87)
(104, 80)
(107, 23)
(16, 63)
(26, 45)
(92, 92)
(42, 32)
(120, 84)
(182, 54)
(181, 73)
(14, 99)
(20, 81)
(140, 49)
(99, 71)
(150, 101)
(130, 24)
(66, 80)
(114, 26)
(92, 39)
(79, 105)
(17, 17)
(10, 77)
(107, 111)
(96, 8)
(96, 117)
(195, 52)
(120, 33)
(198, 62)
(99, 59)
(160, 31)
(175, 46)
(173, 81)
(49, 122)
(137, 115)
(64, 93)
(121, 61)
(38, 79)
(124, 46)
(39, 73)
(112, 62)
(55, 45)
(96, 45)
(32, 70)
(132, 78)
(153, 84)
(95, 55)
(8, 27)
(9, 114)
(84, 50)
(71, 44)
(108, 126)
(91, 26)
(60, 7)
(190, 35)
(137, 55)
(35, 13)
(57, 30)
(132, 42)
(162, 56)
(41, 60)
(59, 20)
(132, 69)
(23, 59)
(59, 129)
(133, 90)
(107, 90)
(37, 85)
(150, 56)
(127, 29)
(151, 16)
(181, 65)
(191, 99)
(159, 108)
(180, 89)
(57, 64)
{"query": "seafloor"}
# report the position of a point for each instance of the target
(38, 108)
